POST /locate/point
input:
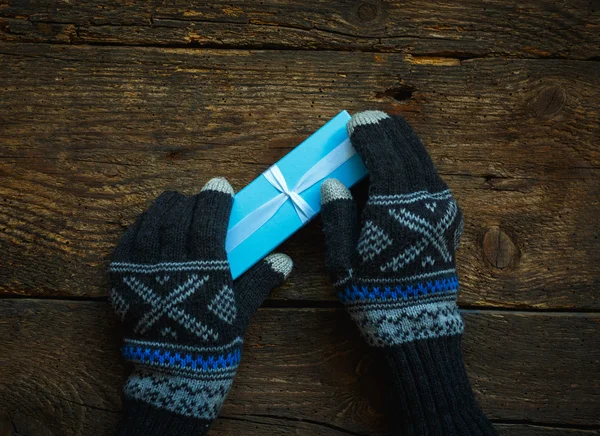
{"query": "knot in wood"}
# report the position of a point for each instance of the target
(367, 11)
(549, 102)
(499, 249)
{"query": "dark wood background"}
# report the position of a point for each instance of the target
(105, 104)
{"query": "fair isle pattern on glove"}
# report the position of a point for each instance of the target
(422, 303)
(184, 316)
(397, 277)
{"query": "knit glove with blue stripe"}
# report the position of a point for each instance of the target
(184, 316)
(396, 275)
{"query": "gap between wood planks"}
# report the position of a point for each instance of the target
(332, 304)
(434, 58)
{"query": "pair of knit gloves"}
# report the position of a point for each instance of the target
(185, 318)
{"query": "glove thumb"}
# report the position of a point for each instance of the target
(340, 226)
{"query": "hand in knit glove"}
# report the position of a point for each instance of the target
(397, 276)
(184, 316)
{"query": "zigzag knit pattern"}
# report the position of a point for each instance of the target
(398, 292)
(203, 265)
(119, 304)
(373, 241)
(223, 305)
(428, 198)
(390, 323)
(181, 360)
(195, 397)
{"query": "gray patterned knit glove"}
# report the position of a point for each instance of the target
(397, 276)
(184, 316)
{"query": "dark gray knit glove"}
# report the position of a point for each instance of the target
(396, 276)
(184, 316)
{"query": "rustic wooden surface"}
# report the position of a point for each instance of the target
(529, 28)
(106, 104)
(538, 368)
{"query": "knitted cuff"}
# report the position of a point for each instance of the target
(389, 315)
(176, 389)
(430, 392)
(141, 419)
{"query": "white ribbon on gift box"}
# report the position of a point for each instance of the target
(260, 216)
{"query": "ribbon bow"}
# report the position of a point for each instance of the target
(257, 218)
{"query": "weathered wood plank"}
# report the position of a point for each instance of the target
(89, 136)
(60, 369)
(464, 28)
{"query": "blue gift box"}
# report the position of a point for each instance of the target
(259, 239)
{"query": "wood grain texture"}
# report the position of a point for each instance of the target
(464, 28)
(90, 135)
(60, 370)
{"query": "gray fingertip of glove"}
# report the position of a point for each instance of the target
(280, 263)
(219, 184)
(364, 118)
(333, 189)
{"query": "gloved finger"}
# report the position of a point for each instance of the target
(416, 176)
(368, 135)
(146, 239)
(340, 226)
(210, 220)
(175, 231)
(254, 286)
(397, 160)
